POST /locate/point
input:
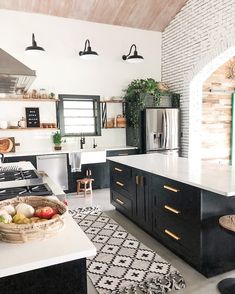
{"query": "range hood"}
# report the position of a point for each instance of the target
(15, 77)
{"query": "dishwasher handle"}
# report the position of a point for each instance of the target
(49, 156)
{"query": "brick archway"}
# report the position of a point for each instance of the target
(197, 76)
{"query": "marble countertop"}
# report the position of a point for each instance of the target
(65, 149)
(213, 177)
(68, 245)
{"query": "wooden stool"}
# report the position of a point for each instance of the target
(227, 286)
(84, 185)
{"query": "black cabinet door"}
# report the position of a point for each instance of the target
(95, 171)
(73, 177)
(142, 207)
(32, 159)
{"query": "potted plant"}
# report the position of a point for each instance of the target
(57, 140)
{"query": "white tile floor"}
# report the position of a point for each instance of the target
(196, 283)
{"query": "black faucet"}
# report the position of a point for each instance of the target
(1, 157)
(82, 141)
(94, 144)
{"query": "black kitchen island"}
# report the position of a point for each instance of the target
(179, 202)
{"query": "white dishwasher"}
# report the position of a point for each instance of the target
(55, 166)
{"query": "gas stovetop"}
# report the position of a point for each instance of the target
(17, 182)
(38, 190)
(16, 175)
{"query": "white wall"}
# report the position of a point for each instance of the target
(62, 71)
(201, 36)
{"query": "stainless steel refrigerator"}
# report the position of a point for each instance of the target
(161, 130)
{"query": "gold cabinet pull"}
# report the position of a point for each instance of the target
(121, 154)
(171, 189)
(172, 235)
(119, 184)
(167, 207)
(137, 180)
(119, 201)
(141, 181)
(118, 169)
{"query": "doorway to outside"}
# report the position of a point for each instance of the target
(210, 122)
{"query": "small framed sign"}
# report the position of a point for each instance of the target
(32, 117)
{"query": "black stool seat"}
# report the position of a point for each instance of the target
(227, 286)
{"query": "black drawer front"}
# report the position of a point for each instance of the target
(123, 187)
(178, 231)
(122, 152)
(122, 203)
(121, 178)
(188, 255)
(184, 206)
(121, 171)
(177, 198)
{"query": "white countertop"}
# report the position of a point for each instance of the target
(68, 245)
(65, 149)
(213, 177)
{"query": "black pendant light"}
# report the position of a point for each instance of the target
(87, 53)
(134, 58)
(34, 49)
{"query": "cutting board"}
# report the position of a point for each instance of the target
(7, 145)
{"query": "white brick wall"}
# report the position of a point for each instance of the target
(199, 39)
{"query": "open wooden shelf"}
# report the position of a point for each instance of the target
(114, 128)
(104, 111)
(29, 129)
(29, 99)
(113, 101)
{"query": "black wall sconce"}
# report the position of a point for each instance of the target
(134, 58)
(34, 49)
(87, 53)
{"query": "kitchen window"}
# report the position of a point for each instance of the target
(79, 114)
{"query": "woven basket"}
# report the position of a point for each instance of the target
(21, 233)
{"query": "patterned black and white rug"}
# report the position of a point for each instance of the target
(123, 264)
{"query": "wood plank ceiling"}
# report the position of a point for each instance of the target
(142, 14)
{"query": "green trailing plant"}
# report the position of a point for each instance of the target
(175, 99)
(141, 93)
(136, 96)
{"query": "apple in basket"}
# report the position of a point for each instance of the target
(45, 212)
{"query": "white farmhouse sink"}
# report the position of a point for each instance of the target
(85, 156)
(92, 156)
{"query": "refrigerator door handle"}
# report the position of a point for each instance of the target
(164, 130)
(167, 131)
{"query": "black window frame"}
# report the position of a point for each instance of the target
(73, 97)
